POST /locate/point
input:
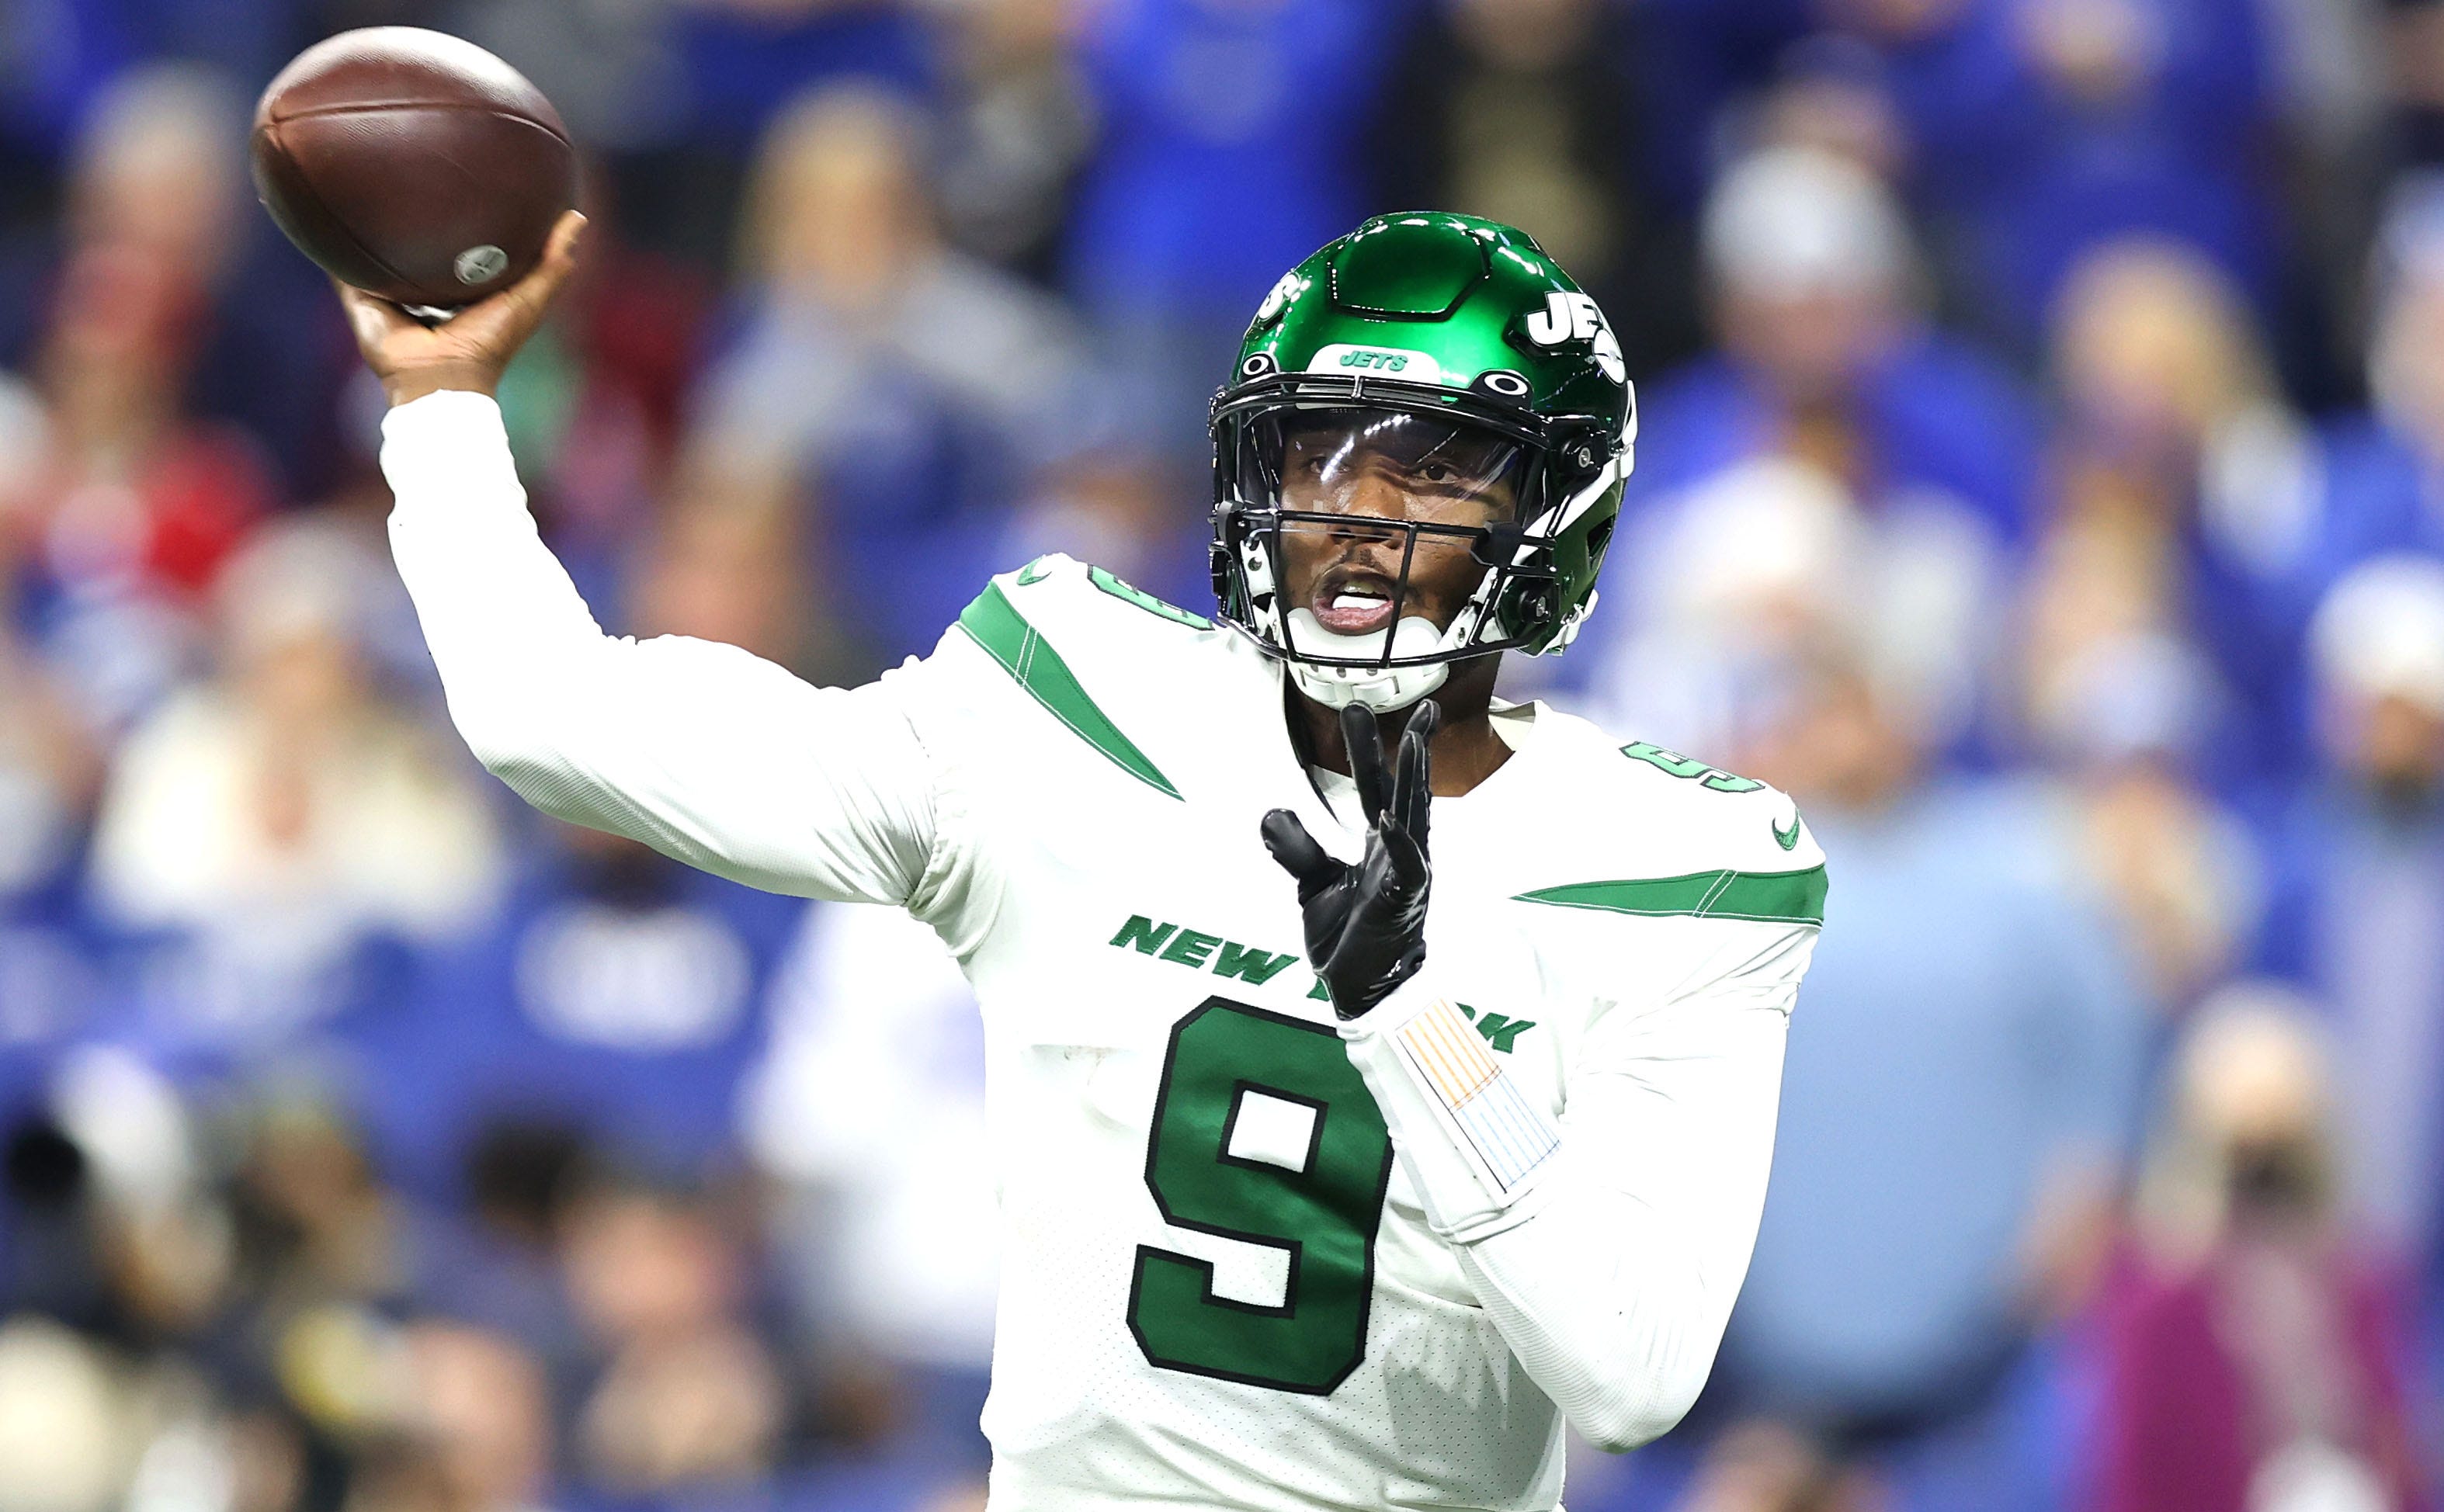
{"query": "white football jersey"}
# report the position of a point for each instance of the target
(1247, 1261)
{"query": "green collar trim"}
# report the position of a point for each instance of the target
(1008, 638)
(1766, 897)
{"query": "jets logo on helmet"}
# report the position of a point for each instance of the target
(1285, 288)
(1445, 338)
(1575, 317)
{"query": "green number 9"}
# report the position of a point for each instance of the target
(1242, 1091)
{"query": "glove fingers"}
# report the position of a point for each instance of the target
(1297, 851)
(1364, 739)
(1404, 859)
(1414, 792)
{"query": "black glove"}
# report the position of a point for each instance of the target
(1366, 924)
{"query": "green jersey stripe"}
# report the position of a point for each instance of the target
(1008, 638)
(1771, 897)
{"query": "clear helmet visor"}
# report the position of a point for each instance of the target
(1392, 464)
(1372, 549)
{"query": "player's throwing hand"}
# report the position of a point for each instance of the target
(470, 349)
(1366, 924)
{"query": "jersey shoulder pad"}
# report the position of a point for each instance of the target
(1059, 593)
(1657, 819)
(1117, 667)
(1084, 614)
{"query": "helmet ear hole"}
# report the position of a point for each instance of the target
(1600, 540)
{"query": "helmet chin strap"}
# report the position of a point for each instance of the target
(1383, 691)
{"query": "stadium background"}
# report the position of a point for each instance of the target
(2042, 477)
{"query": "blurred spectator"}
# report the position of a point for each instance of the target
(871, 1107)
(610, 67)
(2381, 490)
(1956, 1100)
(1018, 128)
(710, 78)
(50, 769)
(2331, 83)
(2121, 717)
(911, 389)
(2358, 917)
(1722, 586)
(2126, 116)
(157, 168)
(747, 59)
(478, 1417)
(2176, 451)
(2157, 669)
(596, 404)
(1768, 1468)
(265, 825)
(1825, 359)
(1228, 155)
(63, 1421)
(2248, 1339)
(685, 1396)
(316, 1227)
(1526, 111)
(614, 990)
(250, 337)
(724, 565)
(2414, 44)
(140, 505)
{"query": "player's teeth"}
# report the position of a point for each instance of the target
(1358, 600)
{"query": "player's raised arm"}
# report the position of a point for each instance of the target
(700, 750)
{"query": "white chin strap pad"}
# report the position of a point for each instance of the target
(1382, 692)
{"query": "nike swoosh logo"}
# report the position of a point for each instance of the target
(1787, 841)
(1034, 572)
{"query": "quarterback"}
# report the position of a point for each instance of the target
(1381, 1075)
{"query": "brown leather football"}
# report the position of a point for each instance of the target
(412, 164)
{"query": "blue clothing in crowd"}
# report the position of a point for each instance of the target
(2179, 151)
(2176, 153)
(1969, 1022)
(2381, 495)
(2355, 919)
(1226, 157)
(624, 996)
(742, 67)
(1933, 413)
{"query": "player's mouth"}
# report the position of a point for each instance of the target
(1353, 603)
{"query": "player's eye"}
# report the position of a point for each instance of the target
(1436, 472)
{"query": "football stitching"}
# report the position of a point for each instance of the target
(368, 108)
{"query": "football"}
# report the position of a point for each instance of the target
(412, 164)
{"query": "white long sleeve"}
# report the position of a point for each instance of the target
(1607, 1245)
(701, 750)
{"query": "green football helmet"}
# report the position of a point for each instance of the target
(1457, 348)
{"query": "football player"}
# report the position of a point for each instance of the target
(1344, 1189)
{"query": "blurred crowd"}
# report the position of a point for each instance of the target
(2041, 476)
